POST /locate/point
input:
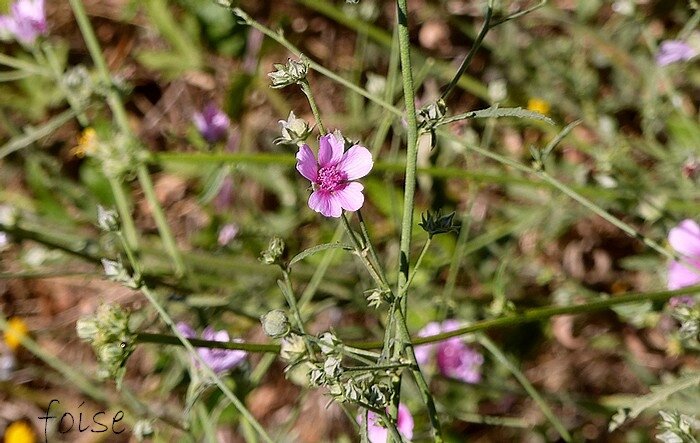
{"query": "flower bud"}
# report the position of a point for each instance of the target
(291, 73)
(294, 130)
(107, 219)
(274, 251)
(275, 323)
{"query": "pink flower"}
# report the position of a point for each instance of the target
(672, 51)
(685, 239)
(27, 21)
(331, 177)
(378, 433)
(227, 233)
(212, 123)
(454, 358)
(219, 360)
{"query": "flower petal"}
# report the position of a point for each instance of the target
(404, 422)
(330, 150)
(681, 275)
(356, 162)
(350, 197)
(325, 203)
(306, 163)
(186, 330)
(685, 238)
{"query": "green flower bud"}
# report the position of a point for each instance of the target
(275, 323)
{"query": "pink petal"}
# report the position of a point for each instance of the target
(681, 275)
(185, 329)
(350, 197)
(330, 150)
(306, 163)
(375, 432)
(356, 162)
(685, 238)
(404, 422)
(325, 203)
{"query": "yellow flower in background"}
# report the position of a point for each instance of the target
(19, 432)
(538, 105)
(86, 143)
(16, 329)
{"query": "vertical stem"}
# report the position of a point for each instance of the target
(370, 246)
(314, 108)
(119, 112)
(159, 217)
(125, 219)
(411, 147)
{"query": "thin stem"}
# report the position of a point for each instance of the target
(370, 246)
(161, 222)
(117, 107)
(470, 55)
(359, 251)
(205, 367)
(314, 107)
(417, 266)
(527, 316)
(125, 219)
(546, 410)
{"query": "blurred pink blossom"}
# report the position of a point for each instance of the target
(331, 176)
(227, 233)
(454, 358)
(212, 123)
(219, 360)
(378, 434)
(672, 51)
(26, 21)
(685, 239)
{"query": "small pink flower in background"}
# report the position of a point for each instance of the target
(333, 174)
(672, 51)
(26, 21)
(685, 239)
(219, 360)
(212, 123)
(454, 358)
(227, 233)
(379, 434)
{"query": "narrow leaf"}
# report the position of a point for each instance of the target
(307, 252)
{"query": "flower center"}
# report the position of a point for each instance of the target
(330, 178)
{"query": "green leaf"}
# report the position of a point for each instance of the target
(658, 395)
(302, 255)
(497, 113)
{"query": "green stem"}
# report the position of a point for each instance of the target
(503, 360)
(370, 246)
(117, 107)
(423, 251)
(125, 219)
(314, 107)
(161, 222)
(204, 366)
(527, 316)
(359, 251)
(470, 55)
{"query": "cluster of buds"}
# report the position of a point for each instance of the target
(292, 73)
(326, 369)
(107, 219)
(117, 272)
(274, 252)
(688, 314)
(435, 223)
(295, 131)
(79, 84)
(677, 427)
(110, 334)
(377, 297)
